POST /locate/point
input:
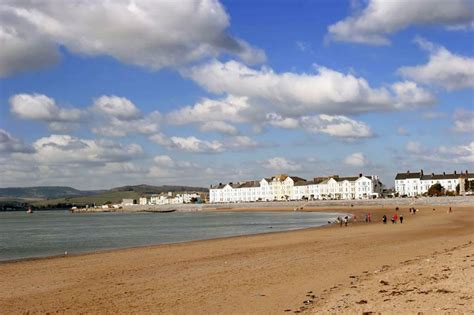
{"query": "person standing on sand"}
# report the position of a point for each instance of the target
(395, 218)
(345, 220)
(384, 219)
(369, 217)
(401, 218)
(450, 210)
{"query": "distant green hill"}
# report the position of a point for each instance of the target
(42, 192)
(64, 197)
(149, 189)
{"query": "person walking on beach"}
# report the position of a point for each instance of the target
(450, 210)
(384, 219)
(345, 220)
(395, 218)
(340, 221)
(401, 218)
(369, 217)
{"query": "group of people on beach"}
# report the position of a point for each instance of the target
(395, 218)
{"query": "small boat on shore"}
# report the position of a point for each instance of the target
(160, 211)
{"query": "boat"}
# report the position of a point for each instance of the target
(160, 211)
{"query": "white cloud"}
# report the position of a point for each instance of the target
(355, 159)
(118, 107)
(153, 34)
(381, 18)
(277, 120)
(218, 126)
(463, 120)
(292, 94)
(215, 115)
(43, 108)
(22, 52)
(445, 69)
(282, 164)
(66, 149)
(10, 144)
(118, 117)
(337, 126)
(459, 154)
(195, 145)
(114, 127)
(188, 144)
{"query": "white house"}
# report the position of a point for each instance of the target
(285, 187)
(414, 184)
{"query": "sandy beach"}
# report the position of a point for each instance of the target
(424, 265)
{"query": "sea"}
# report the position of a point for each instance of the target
(52, 233)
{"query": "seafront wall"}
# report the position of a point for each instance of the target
(459, 200)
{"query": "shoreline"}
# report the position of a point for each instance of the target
(264, 273)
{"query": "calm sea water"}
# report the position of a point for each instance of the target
(48, 233)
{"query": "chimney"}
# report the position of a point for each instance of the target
(444, 173)
(466, 172)
(408, 172)
(360, 175)
(454, 172)
(421, 172)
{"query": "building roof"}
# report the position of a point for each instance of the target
(408, 175)
(433, 176)
(351, 179)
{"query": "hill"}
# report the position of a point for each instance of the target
(65, 197)
(149, 189)
(42, 192)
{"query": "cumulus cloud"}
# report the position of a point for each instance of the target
(292, 94)
(282, 164)
(118, 117)
(115, 106)
(463, 120)
(188, 144)
(277, 120)
(152, 34)
(66, 149)
(355, 159)
(444, 69)
(43, 108)
(218, 126)
(459, 154)
(380, 18)
(195, 145)
(216, 115)
(10, 144)
(337, 126)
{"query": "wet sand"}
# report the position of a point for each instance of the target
(329, 270)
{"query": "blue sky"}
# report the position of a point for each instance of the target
(107, 94)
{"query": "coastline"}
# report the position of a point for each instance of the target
(264, 273)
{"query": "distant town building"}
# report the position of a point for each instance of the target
(128, 202)
(285, 187)
(170, 198)
(417, 183)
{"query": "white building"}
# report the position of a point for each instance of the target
(284, 187)
(414, 184)
(169, 198)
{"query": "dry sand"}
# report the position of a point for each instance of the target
(423, 265)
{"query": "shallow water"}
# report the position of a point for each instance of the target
(48, 233)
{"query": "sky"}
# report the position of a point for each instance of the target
(99, 94)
